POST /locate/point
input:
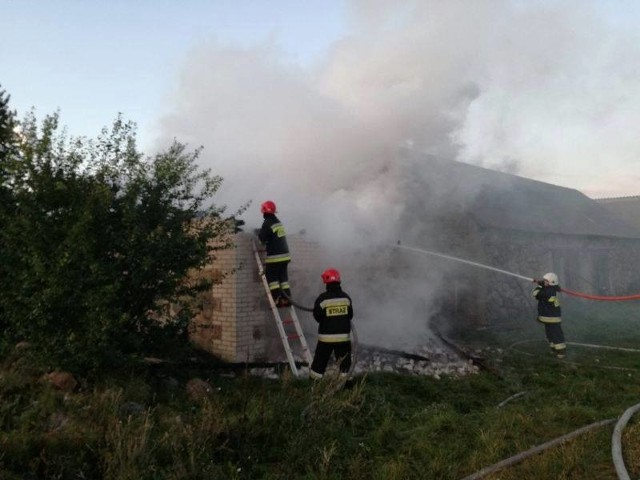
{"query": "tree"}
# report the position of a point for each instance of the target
(100, 236)
(8, 137)
(8, 143)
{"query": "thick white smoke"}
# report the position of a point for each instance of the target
(547, 90)
(544, 89)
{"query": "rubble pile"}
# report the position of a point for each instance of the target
(434, 359)
(438, 361)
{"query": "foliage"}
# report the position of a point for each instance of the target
(95, 238)
(8, 137)
(8, 143)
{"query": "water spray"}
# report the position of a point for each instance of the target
(468, 262)
(609, 298)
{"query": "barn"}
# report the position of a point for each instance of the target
(485, 216)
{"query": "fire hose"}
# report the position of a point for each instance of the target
(608, 298)
(616, 443)
(616, 440)
(616, 448)
(528, 453)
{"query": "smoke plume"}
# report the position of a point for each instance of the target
(542, 89)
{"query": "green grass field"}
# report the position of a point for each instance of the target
(387, 427)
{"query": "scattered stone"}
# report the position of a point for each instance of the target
(439, 361)
(269, 372)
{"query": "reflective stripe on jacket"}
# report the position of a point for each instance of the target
(333, 312)
(273, 235)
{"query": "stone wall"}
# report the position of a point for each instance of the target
(597, 265)
(473, 296)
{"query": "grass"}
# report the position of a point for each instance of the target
(387, 427)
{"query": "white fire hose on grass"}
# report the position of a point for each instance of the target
(616, 440)
(616, 443)
(616, 448)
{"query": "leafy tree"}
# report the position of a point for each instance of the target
(8, 137)
(8, 143)
(99, 239)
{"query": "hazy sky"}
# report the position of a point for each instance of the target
(328, 91)
(93, 59)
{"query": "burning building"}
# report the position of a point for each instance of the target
(493, 218)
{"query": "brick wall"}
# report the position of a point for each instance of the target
(235, 322)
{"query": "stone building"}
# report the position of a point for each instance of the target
(526, 227)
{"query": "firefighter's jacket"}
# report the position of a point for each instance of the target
(548, 303)
(333, 312)
(272, 234)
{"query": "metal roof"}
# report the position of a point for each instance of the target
(501, 200)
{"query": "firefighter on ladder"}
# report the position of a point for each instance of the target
(333, 312)
(273, 235)
(549, 313)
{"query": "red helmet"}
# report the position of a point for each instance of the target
(331, 275)
(268, 207)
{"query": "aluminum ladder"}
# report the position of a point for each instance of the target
(284, 325)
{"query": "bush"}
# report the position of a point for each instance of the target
(94, 236)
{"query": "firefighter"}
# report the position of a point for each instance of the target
(273, 235)
(333, 312)
(547, 293)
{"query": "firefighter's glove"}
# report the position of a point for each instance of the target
(540, 282)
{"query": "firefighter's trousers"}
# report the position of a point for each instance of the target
(555, 337)
(342, 352)
(277, 278)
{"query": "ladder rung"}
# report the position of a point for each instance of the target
(280, 322)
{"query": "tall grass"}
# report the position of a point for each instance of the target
(140, 426)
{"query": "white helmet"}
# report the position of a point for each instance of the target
(552, 278)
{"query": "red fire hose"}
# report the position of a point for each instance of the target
(607, 298)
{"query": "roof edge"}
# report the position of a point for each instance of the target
(627, 197)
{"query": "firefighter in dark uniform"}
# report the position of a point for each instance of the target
(273, 235)
(333, 312)
(549, 314)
